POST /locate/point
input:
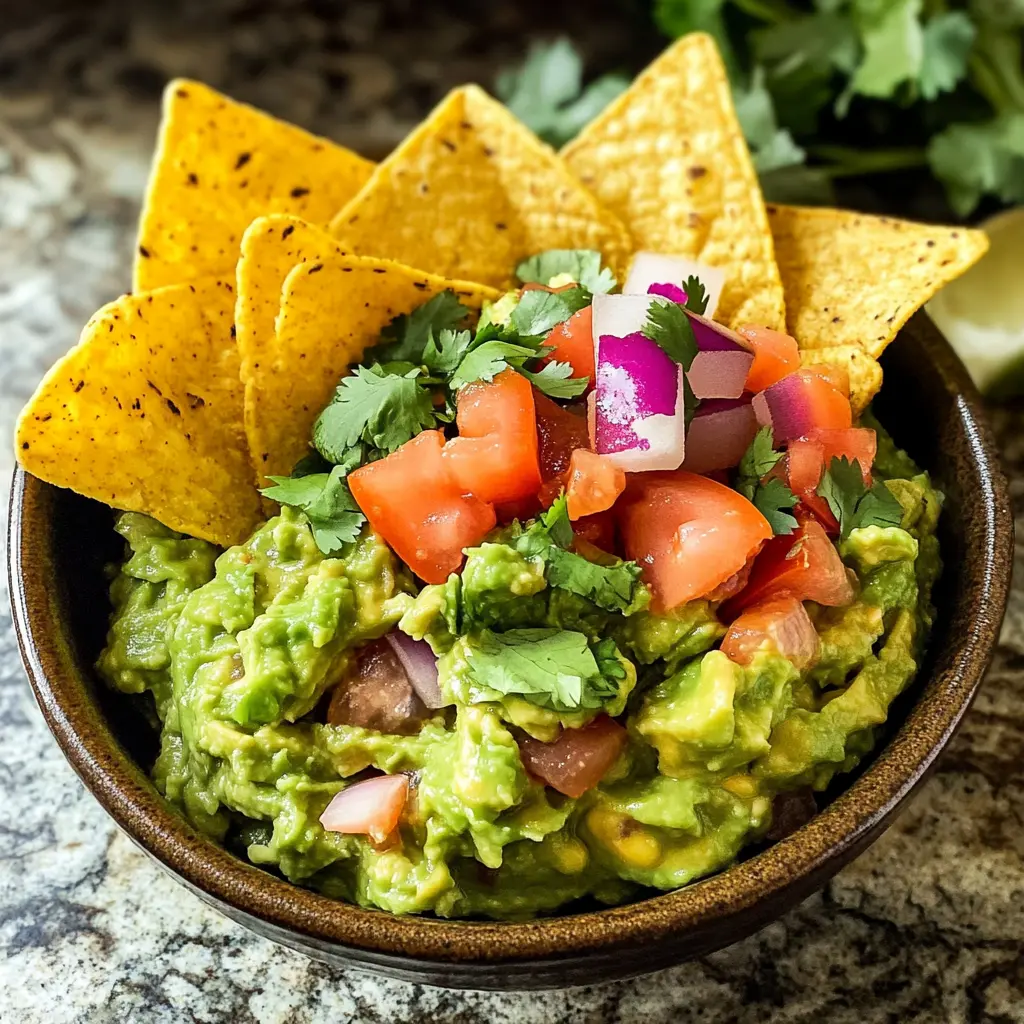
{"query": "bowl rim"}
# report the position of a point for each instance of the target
(791, 867)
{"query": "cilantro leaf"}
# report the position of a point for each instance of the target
(893, 48)
(758, 460)
(772, 147)
(852, 503)
(670, 328)
(552, 527)
(384, 410)
(556, 380)
(547, 92)
(327, 502)
(554, 668)
(488, 360)
(443, 353)
(773, 499)
(405, 338)
(947, 42)
(582, 265)
(537, 312)
(696, 295)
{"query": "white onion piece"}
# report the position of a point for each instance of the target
(650, 268)
(719, 435)
(420, 666)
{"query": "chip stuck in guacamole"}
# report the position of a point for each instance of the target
(517, 530)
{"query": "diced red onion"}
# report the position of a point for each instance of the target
(672, 292)
(655, 268)
(638, 416)
(420, 666)
(784, 407)
(371, 807)
(719, 434)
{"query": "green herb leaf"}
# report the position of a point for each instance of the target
(947, 42)
(774, 500)
(853, 504)
(556, 380)
(442, 355)
(487, 361)
(893, 47)
(582, 265)
(758, 460)
(552, 527)
(696, 295)
(670, 328)
(406, 336)
(384, 410)
(538, 312)
(547, 92)
(327, 502)
(554, 668)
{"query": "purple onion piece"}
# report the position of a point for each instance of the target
(668, 291)
(420, 666)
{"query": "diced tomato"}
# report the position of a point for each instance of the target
(372, 807)
(801, 402)
(598, 529)
(688, 533)
(494, 458)
(560, 432)
(775, 355)
(858, 444)
(412, 502)
(521, 509)
(375, 693)
(593, 484)
(573, 343)
(733, 585)
(578, 759)
(805, 464)
(782, 624)
(804, 564)
(837, 376)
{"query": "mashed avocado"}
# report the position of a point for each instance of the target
(239, 649)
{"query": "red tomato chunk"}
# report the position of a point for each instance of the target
(780, 624)
(579, 759)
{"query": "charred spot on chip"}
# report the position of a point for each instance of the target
(695, 172)
(79, 386)
(288, 230)
(24, 446)
(419, 284)
(501, 225)
(193, 179)
(172, 407)
(379, 270)
(143, 252)
(155, 388)
(298, 192)
(183, 93)
(243, 159)
(449, 145)
(316, 269)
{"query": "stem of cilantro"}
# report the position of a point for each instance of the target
(775, 12)
(844, 162)
(995, 69)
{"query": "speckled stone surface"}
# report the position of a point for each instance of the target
(927, 926)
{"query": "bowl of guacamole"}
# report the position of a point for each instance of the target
(445, 569)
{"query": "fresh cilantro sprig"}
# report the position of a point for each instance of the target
(772, 498)
(553, 668)
(407, 336)
(615, 588)
(853, 503)
(327, 502)
(696, 295)
(670, 329)
(538, 312)
(580, 265)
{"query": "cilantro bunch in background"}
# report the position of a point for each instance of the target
(829, 90)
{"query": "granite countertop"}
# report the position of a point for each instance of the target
(927, 926)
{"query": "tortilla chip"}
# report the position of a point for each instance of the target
(853, 279)
(218, 165)
(668, 157)
(331, 310)
(145, 414)
(470, 193)
(865, 373)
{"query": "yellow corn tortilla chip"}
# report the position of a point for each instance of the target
(668, 157)
(331, 310)
(470, 193)
(854, 279)
(865, 373)
(218, 165)
(145, 414)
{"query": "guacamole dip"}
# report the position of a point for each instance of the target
(246, 651)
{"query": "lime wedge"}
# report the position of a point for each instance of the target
(982, 312)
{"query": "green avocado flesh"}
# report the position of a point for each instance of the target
(239, 647)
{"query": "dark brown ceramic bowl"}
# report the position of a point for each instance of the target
(59, 542)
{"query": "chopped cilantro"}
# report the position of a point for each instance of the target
(406, 337)
(758, 460)
(556, 380)
(327, 502)
(488, 360)
(384, 410)
(582, 265)
(852, 503)
(696, 295)
(774, 500)
(670, 328)
(538, 312)
(554, 668)
(443, 354)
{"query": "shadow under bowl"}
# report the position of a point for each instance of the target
(59, 543)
